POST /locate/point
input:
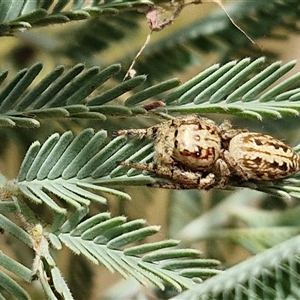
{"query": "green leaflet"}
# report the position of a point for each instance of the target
(13, 287)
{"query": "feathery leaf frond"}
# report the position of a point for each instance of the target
(232, 88)
(22, 15)
(68, 168)
(240, 88)
(106, 240)
(58, 95)
(260, 277)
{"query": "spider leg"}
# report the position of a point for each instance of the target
(223, 170)
(227, 133)
(225, 126)
(147, 132)
(234, 165)
(170, 185)
(182, 178)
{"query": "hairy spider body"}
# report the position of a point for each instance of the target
(187, 150)
(197, 153)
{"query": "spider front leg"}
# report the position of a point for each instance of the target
(170, 185)
(227, 133)
(140, 132)
(181, 178)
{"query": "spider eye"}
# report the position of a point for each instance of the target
(197, 137)
(197, 154)
(197, 151)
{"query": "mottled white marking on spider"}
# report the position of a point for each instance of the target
(262, 157)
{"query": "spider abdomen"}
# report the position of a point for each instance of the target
(263, 157)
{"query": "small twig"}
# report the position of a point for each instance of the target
(155, 24)
(131, 72)
(219, 2)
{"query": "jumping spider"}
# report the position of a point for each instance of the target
(187, 150)
(197, 153)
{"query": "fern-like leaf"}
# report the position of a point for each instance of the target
(57, 95)
(67, 167)
(64, 95)
(232, 88)
(106, 240)
(22, 15)
(260, 277)
(239, 88)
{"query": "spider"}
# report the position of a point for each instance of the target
(197, 153)
(188, 151)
